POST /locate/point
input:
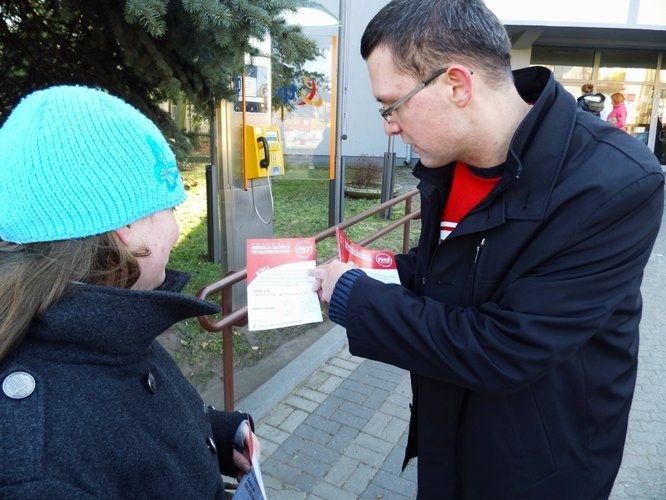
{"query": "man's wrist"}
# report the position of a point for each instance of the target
(337, 310)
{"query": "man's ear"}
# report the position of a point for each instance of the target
(124, 234)
(460, 78)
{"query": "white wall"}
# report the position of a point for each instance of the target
(622, 13)
(362, 123)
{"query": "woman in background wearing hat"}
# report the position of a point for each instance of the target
(91, 405)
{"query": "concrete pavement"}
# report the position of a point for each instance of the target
(333, 426)
(642, 475)
(340, 434)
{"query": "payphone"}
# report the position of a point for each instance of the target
(248, 152)
(263, 152)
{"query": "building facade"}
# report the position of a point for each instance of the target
(617, 45)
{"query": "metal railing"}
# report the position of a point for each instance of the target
(238, 317)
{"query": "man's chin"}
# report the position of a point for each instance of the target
(426, 160)
(428, 163)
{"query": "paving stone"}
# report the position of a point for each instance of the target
(265, 431)
(322, 423)
(341, 470)
(364, 455)
(342, 439)
(331, 383)
(290, 423)
(326, 490)
(312, 395)
(345, 364)
(336, 370)
(296, 401)
(360, 478)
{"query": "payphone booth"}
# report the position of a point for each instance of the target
(248, 153)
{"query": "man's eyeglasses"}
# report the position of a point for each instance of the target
(386, 112)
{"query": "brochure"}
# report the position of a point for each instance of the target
(251, 486)
(279, 290)
(378, 264)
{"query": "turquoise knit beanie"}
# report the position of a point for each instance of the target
(76, 161)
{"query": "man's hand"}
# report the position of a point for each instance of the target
(326, 276)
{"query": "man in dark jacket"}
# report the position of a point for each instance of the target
(518, 311)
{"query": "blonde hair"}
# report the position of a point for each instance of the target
(34, 276)
(617, 98)
(587, 88)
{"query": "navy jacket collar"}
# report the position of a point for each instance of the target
(111, 325)
(540, 135)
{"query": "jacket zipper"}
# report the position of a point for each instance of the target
(472, 287)
(478, 250)
(479, 247)
(483, 240)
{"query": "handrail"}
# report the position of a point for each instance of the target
(238, 317)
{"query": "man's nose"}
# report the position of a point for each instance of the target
(391, 128)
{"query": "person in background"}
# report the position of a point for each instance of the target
(92, 406)
(660, 140)
(590, 101)
(618, 115)
(518, 312)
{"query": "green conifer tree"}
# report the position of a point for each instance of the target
(146, 51)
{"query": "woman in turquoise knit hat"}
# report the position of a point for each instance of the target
(91, 405)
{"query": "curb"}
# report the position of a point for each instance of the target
(263, 399)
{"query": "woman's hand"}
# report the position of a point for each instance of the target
(243, 459)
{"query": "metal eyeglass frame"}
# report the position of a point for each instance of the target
(386, 112)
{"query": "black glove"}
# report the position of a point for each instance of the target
(224, 425)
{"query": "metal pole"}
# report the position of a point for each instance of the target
(387, 178)
(337, 189)
(408, 154)
(212, 192)
(228, 353)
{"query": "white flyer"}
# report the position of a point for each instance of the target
(279, 290)
(378, 264)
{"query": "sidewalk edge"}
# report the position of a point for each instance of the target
(263, 399)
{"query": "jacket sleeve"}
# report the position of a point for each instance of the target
(224, 425)
(581, 277)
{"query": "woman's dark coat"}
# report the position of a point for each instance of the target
(111, 415)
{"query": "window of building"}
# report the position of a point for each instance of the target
(628, 65)
(566, 63)
(636, 74)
